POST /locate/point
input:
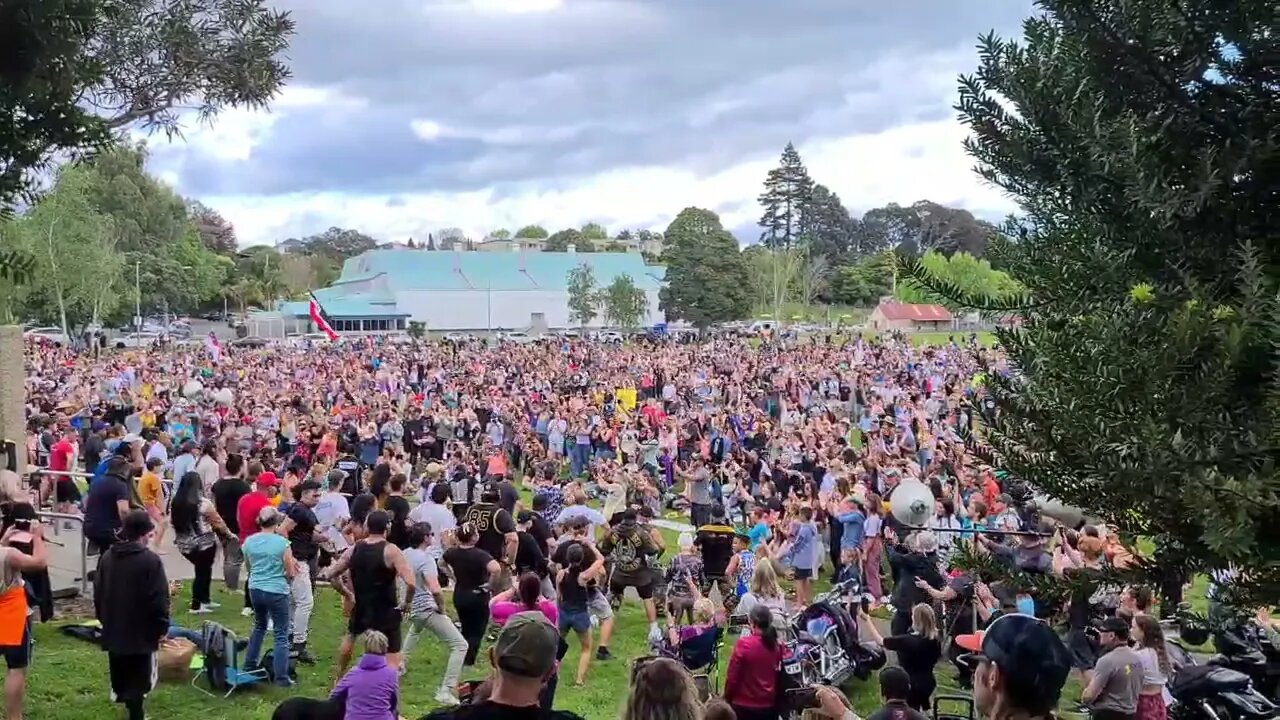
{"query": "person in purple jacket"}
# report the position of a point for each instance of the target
(370, 690)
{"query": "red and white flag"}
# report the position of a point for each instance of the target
(321, 320)
(214, 347)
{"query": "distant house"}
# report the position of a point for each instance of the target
(891, 315)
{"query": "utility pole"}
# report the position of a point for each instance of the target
(137, 295)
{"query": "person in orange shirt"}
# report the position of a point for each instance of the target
(151, 495)
(15, 627)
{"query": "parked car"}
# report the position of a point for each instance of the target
(49, 334)
(249, 342)
(457, 337)
(518, 337)
(609, 336)
(136, 340)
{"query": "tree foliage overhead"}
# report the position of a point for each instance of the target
(970, 276)
(1139, 138)
(707, 278)
(160, 58)
(42, 77)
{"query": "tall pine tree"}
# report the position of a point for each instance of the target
(787, 190)
(826, 226)
(1139, 138)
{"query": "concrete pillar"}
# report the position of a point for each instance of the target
(13, 419)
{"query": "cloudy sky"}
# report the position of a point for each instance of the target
(425, 114)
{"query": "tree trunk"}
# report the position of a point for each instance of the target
(57, 284)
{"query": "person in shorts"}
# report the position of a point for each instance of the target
(629, 545)
(15, 616)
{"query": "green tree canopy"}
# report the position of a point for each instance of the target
(561, 240)
(583, 298)
(533, 232)
(707, 279)
(625, 304)
(1141, 145)
(594, 231)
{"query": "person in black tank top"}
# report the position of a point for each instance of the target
(572, 582)
(372, 566)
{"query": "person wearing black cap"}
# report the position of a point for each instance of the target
(131, 600)
(1020, 665)
(1112, 692)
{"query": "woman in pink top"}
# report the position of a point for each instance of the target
(526, 596)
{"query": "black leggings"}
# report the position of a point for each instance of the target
(203, 562)
(473, 616)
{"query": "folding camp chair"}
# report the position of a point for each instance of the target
(700, 654)
(223, 662)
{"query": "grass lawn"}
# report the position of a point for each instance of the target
(68, 679)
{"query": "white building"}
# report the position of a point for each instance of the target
(385, 289)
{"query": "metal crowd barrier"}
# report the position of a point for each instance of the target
(84, 543)
(58, 518)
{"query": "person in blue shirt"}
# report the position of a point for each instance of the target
(853, 519)
(270, 563)
(804, 555)
(759, 532)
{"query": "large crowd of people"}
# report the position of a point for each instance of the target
(505, 499)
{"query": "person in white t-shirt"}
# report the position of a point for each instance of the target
(332, 512)
(436, 513)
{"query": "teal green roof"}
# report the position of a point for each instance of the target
(369, 281)
(356, 306)
(406, 269)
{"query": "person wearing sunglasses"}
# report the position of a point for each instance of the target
(1020, 665)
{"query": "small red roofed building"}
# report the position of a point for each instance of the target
(893, 315)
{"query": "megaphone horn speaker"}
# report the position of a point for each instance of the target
(911, 503)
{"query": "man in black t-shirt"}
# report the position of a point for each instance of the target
(300, 527)
(715, 541)
(226, 498)
(497, 534)
(398, 507)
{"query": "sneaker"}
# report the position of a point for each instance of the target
(448, 699)
(602, 653)
(247, 612)
(285, 683)
(202, 610)
(213, 605)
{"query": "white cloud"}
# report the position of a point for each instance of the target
(235, 133)
(904, 164)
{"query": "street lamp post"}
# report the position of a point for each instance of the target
(137, 295)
